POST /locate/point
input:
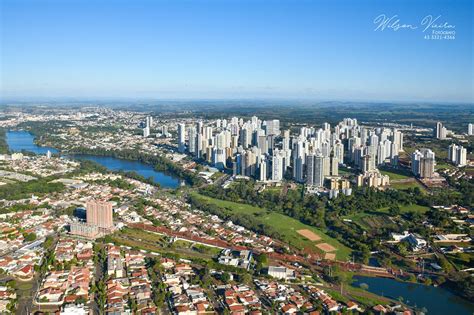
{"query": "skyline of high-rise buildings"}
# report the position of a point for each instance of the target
(260, 149)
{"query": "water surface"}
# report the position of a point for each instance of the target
(22, 140)
(145, 170)
(436, 300)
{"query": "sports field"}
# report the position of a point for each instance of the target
(286, 226)
(309, 235)
(325, 247)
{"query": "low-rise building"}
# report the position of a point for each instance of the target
(241, 259)
(281, 272)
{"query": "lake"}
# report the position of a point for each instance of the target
(145, 170)
(436, 300)
(23, 140)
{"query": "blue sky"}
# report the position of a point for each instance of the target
(234, 49)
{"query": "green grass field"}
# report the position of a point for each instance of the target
(416, 208)
(285, 225)
(140, 239)
(396, 174)
(462, 260)
(144, 235)
(407, 208)
(440, 165)
(24, 286)
(346, 171)
(402, 186)
(274, 190)
(180, 244)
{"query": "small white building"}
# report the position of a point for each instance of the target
(72, 309)
(281, 272)
(416, 242)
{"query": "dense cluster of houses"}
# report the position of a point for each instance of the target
(186, 297)
(70, 276)
(241, 299)
(286, 298)
(279, 298)
(128, 285)
(327, 301)
(42, 165)
(19, 254)
(70, 137)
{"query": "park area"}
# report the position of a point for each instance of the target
(380, 218)
(292, 231)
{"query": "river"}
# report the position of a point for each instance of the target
(23, 140)
(436, 300)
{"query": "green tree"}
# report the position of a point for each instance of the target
(29, 237)
(394, 210)
(402, 248)
(225, 277)
(245, 278)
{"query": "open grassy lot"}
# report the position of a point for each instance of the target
(395, 174)
(286, 226)
(406, 185)
(196, 247)
(141, 235)
(24, 286)
(462, 260)
(442, 165)
(163, 241)
(407, 208)
(143, 240)
(365, 297)
(357, 294)
(416, 208)
(346, 171)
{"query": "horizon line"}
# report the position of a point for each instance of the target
(31, 99)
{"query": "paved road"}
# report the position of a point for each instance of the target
(25, 303)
